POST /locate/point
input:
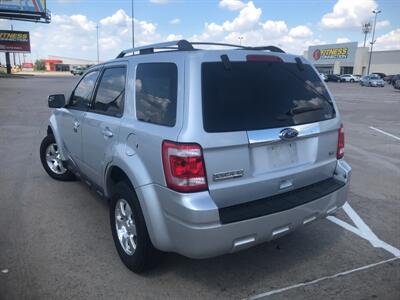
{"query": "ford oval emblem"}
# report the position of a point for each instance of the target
(288, 134)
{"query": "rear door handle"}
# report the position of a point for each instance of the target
(76, 126)
(107, 132)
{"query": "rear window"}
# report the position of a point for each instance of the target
(262, 95)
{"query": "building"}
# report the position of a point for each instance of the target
(348, 58)
(59, 63)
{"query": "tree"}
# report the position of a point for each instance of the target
(39, 65)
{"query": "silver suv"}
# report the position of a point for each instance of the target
(201, 152)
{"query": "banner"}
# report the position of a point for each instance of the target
(14, 41)
(23, 6)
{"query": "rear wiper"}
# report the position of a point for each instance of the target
(302, 109)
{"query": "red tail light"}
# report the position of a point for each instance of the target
(184, 167)
(340, 143)
(263, 58)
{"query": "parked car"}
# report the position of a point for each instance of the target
(323, 76)
(333, 77)
(388, 78)
(372, 80)
(78, 70)
(200, 152)
(381, 75)
(396, 84)
(349, 78)
(394, 79)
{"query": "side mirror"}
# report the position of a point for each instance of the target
(56, 101)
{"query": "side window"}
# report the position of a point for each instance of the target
(156, 92)
(81, 96)
(110, 93)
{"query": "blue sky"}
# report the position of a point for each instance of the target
(290, 24)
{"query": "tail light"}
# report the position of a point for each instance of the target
(340, 143)
(184, 167)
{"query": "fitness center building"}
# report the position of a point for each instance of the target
(348, 58)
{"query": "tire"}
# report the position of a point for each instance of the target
(351, 80)
(143, 256)
(58, 172)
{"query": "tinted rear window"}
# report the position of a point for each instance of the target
(261, 95)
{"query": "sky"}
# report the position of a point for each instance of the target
(292, 25)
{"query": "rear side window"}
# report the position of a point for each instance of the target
(156, 93)
(81, 96)
(262, 95)
(110, 93)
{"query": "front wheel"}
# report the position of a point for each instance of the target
(51, 160)
(129, 230)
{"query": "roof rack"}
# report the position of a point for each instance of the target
(184, 45)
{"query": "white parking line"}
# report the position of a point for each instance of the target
(362, 230)
(277, 291)
(386, 133)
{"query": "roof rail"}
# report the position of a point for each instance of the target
(270, 48)
(181, 45)
(184, 45)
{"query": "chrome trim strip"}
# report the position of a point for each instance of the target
(269, 136)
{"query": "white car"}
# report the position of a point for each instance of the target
(349, 78)
(323, 77)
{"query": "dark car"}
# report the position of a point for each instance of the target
(381, 75)
(394, 79)
(333, 77)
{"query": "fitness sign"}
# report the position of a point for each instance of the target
(329, 53)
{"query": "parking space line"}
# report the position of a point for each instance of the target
(362, 230)
(386, 133)
(281, 290)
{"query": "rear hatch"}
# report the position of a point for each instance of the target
(271, 128)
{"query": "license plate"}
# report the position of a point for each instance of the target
(283, 154)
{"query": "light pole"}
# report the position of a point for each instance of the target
(376, 12)
(98, 51)
(240, 38)
(133, 27)
(366, 28)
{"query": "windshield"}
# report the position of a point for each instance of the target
(375, 77)
(261, 95)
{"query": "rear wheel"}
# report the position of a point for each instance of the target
(51, 160)
(351, 80)
(129, 230)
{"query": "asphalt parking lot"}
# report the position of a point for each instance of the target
(55, 240)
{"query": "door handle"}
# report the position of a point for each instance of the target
(107, 132)
(76, 126)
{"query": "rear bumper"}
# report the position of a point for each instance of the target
(190, 224)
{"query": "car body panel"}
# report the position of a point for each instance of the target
(263, 164)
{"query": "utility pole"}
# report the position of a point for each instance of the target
(240, 38)
(133, 26)
(366, 28)
(12, 29)
(98, 52)
(376, 12)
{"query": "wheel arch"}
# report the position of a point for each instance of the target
(52, 128)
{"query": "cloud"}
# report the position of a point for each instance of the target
(300, 31)
(382, 24)
(174, 37)
(253, 31)
(349, 14)
(388, 41)
(75, 35)
(231, 4)
(342, 40)
(175, 21)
